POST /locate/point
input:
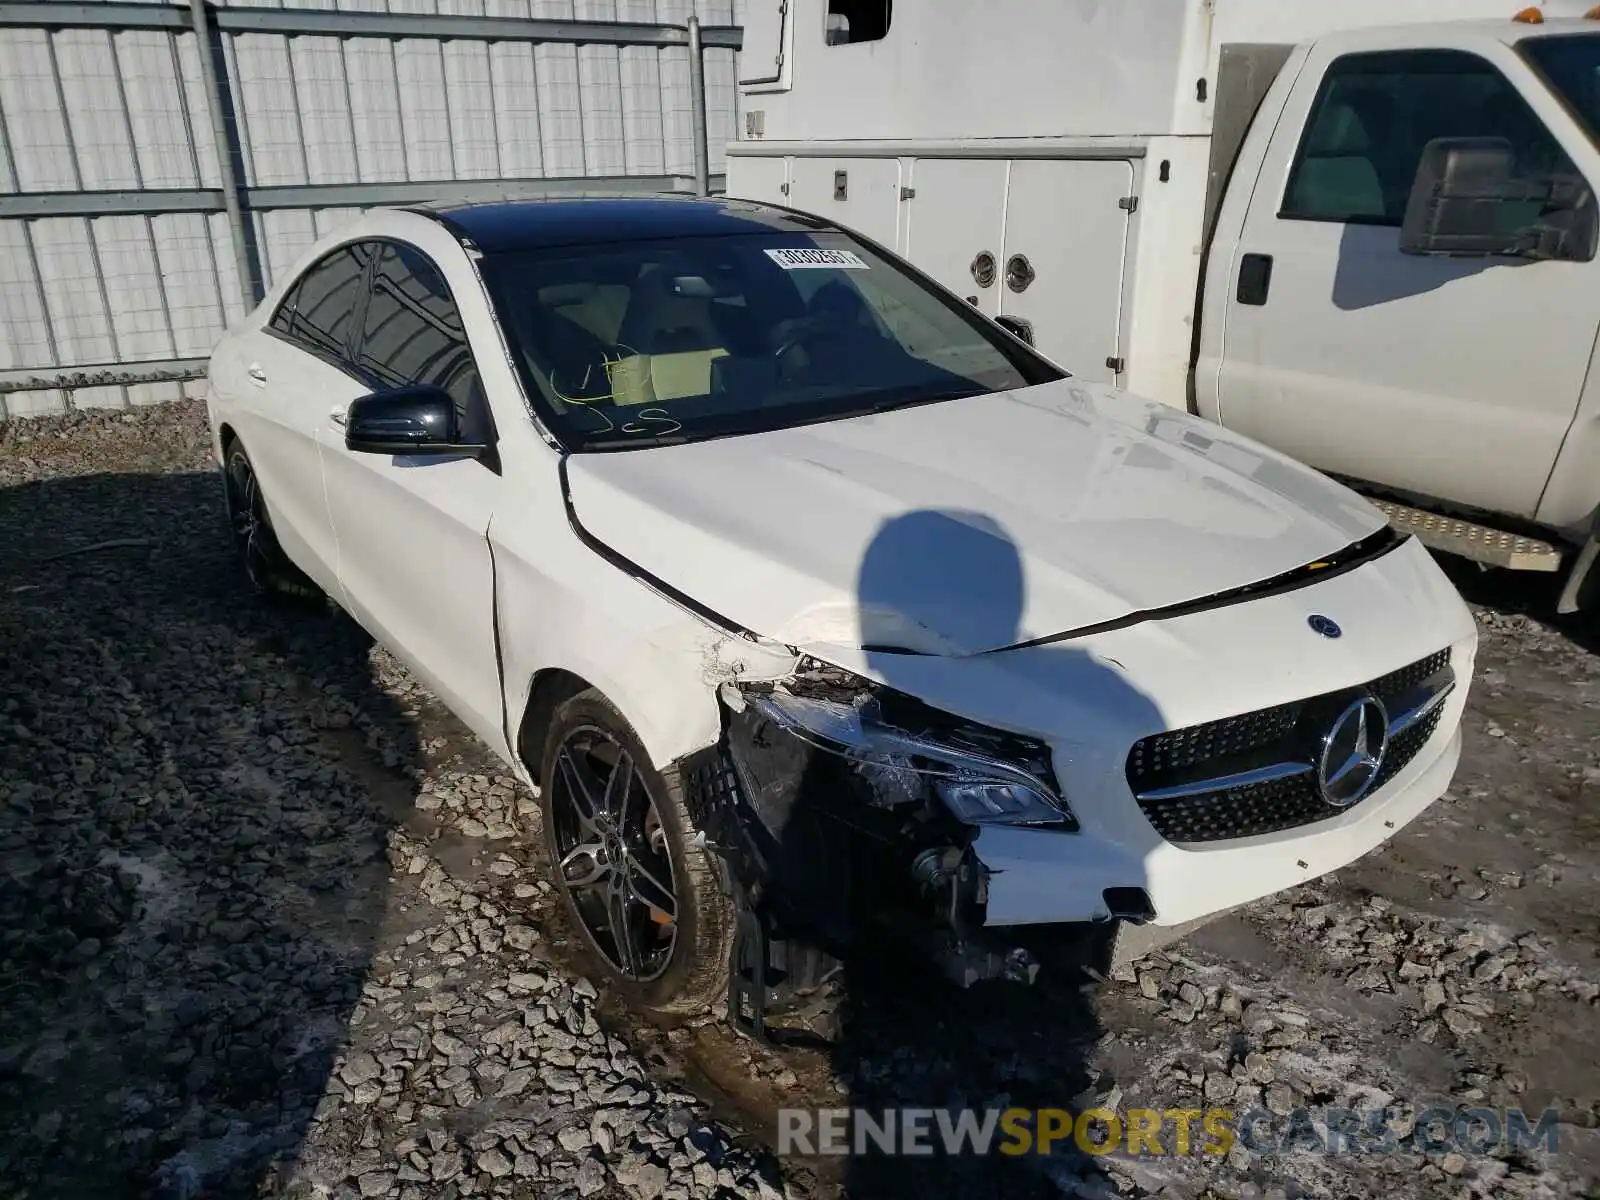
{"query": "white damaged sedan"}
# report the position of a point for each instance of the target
(815, 603)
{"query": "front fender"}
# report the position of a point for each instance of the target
(561, 605)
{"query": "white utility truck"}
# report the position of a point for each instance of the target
(1360, 231)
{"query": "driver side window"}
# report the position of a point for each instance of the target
(1374, 114)
(413, 333)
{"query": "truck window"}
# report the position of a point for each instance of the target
(857, 21)
(1375, 112)
(1570, 64)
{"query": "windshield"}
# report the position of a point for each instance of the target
(636, 343)
(1570, 64)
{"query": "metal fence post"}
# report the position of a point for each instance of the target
(230, 163)
(697, 105)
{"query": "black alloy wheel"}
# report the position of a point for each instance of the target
(611, 853)
(645, 897)
(267, 566)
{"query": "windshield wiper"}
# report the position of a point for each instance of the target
(892, 403)
(935, 397)
(762, 420)
(641, 442)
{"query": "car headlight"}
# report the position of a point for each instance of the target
(993, 802)
(977, 788)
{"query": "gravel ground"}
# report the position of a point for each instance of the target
(271, 924)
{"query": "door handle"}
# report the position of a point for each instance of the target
(1019, 273)
(338, 416)
(256, 374)
(1255, 278)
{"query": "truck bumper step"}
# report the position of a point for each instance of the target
(1480, 543)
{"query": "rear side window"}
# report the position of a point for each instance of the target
(319, 310)
(1374, 114)
(283, 319)
(413, 331)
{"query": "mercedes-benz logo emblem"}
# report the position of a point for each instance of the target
(1326, 626)
(1352, 752)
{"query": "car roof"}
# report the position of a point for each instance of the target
(540, 224)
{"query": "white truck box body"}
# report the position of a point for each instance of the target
(1024, 69)
(1079, 136)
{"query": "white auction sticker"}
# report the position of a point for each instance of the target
(800, 260)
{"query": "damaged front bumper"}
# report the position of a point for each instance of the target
(1032, 881)
(830, 808)
(1160, 774)
(834, 818)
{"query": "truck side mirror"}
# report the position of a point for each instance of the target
(1467, 201)
(1017, 327)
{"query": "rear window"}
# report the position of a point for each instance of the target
(633, 343)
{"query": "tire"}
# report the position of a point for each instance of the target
(267, 567)
(681, 972)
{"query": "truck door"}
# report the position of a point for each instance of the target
(1456, 378)
(761, 57)
(1066, 242)
(758, 177)
(955, 226)
(859, 193)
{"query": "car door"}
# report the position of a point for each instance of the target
(1455, 378)
(414, 559)
(282, 379)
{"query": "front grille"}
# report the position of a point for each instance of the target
(1179, 751)
(1239, 813)
(1404, 748)
(1285, 732)
(1387, 687)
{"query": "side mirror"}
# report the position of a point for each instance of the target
(1457, 202)
(1467, 201)
(414, 419)
(1017, 327)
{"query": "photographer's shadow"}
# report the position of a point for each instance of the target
(937, 592)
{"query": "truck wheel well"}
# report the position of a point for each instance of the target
(226, 436)
(551, 688)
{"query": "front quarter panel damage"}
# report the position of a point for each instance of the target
(561, 606)
(826, 849)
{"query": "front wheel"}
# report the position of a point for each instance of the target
(269, 570)
(646, 902)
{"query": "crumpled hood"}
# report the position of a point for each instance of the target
(964, 526)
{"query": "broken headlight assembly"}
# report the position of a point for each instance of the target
(909, 752)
